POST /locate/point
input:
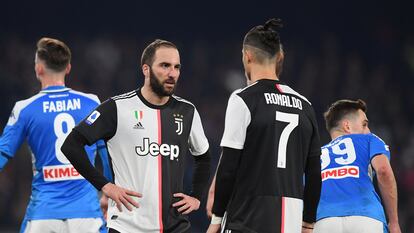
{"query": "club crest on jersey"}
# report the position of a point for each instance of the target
(178, 119)
(139, 115)
(154, 149)
(93, 117)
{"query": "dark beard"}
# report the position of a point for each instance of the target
(158, 88)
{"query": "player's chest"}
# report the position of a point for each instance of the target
(149, 125)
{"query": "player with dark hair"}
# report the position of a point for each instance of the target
(62, 200)
(348, 201)
(148, 132)
(270, 141)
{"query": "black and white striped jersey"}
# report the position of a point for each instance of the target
(275, 130)
(147, 145)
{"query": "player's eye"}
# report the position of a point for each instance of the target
(165, 65)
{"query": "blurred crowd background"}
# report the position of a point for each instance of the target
(332, 51)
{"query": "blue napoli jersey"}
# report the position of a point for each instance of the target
(45, 120)
(347, 187)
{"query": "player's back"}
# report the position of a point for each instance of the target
(58, 190)
(346, 172)
(280, 135)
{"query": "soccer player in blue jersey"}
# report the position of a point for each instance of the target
(348, 202)
(62, 200)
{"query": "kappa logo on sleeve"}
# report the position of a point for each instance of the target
(93, 117)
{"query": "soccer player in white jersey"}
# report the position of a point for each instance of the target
(349, 202)
(148, 132)
(62, 200)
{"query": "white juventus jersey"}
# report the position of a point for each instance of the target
(146, 144)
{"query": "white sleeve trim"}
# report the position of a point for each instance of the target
(198, 143)
(237, 120)
(18, 108)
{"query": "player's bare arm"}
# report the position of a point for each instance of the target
(210, 198)
(388, 189)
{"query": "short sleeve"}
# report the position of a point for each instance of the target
(100, 124)
(197, 141)
(377, 146)
(236, 122)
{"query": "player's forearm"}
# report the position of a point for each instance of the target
(225, 180)
(212, 187)
(312, 190)
(73, 149)
(388, 189)
(201, 175)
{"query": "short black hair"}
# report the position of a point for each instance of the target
(149, 52)
(265, 37)
(340, 109)
(54, 53)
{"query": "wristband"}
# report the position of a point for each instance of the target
(216, 220)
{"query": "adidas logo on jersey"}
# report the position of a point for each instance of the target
(155, 149)
(138, 126)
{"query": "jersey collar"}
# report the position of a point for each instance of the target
(142, 98)
(54, 89)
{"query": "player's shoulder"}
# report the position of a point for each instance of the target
(124, 96)
(251, 88)
(183, 101)
(22, 104)
(284, 88)
(375, 137)
(90, 96)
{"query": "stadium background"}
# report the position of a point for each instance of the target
(337, 49)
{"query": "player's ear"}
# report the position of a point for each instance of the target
(280, 56)
(346, 126)
(39, 69)
(68, 68)
(247, 56)
(146, 70)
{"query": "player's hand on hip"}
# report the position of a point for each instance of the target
(121, 196)
(103, 202)
(187, 204)
(214, 228)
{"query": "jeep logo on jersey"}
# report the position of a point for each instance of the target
(178, 119)
(93, 117)
(154, 149)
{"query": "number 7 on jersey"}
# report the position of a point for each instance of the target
(293, 120)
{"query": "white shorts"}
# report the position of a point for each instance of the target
(349, 224)
(73, 225)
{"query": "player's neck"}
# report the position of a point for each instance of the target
(258, 72)
(52, 80)
(337, 133)
(152, 97)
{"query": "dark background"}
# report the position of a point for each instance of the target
(334, 49)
